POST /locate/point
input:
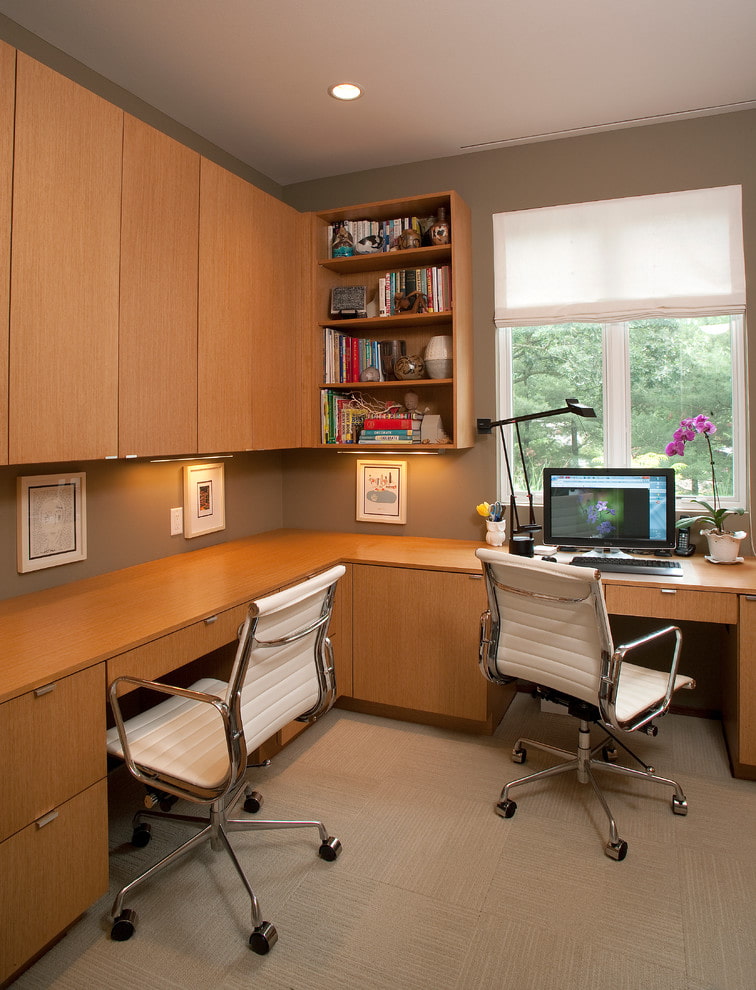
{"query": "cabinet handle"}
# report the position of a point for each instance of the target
(668, 591)
(475, 577)
(45, 689)
(750, 598)
(46, 819)
(210, 620)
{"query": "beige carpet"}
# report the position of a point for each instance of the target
(433, 890)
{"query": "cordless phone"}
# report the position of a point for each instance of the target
(683, 546)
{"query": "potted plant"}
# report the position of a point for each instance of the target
(723, 544)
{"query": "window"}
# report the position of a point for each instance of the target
(634, 307)
(642, 377)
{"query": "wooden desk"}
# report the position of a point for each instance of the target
(156, 616)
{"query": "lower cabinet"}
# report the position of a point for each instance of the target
(415, 646)
(52, 871)
(53, 818)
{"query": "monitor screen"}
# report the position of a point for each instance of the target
(628, 508)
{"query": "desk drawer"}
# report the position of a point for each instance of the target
(153, 660)
(52, 871)
(672, 603)
(52, 741)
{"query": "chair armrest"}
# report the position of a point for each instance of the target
(230, 731)
(611, 677)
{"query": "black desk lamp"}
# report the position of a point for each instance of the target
(521, 534)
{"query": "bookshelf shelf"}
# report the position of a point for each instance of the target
(380, 325)
(449, 398)
(384, 260)
(407, 383)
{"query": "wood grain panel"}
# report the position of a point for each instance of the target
(158, 307)
(61, 736)
(746, 687)
(227, 311)
(156, 659)
(415, 640)
(64, 271)
(671, 603)
(7, 105)
(51, 875)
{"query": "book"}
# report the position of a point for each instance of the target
(392, 423)
(393, 434)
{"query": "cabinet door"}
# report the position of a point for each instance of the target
(251, 301)
(58, 736)
(158, 325)
(7, 96)
(64, 270)
(415, 640)
(745, 690)
(52, 871)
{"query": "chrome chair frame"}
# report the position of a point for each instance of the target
(223, 798)
(603, 714)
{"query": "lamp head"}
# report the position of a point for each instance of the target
(579, 409)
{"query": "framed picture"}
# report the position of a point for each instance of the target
(51, 521)
(204, 499)
(382, 491)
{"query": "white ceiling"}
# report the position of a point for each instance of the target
(441, 77)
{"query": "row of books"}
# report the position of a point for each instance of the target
(373, 236)
(345, 357)
(396, 289)
(345, 421)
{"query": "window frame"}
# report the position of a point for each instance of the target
(616, 376)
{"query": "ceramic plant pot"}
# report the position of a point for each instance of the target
(724, 548)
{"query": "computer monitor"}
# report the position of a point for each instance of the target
(608, 510)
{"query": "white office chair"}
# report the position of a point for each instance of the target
(195, 744)
(547, 624)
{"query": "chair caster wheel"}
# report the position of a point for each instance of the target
(253, 802)
(124, 926)
(609, 754)
(330, 849)
(679, 805)
(506, 808)
(519, 755)
(141, 835)
(263, 938)
(616, 850)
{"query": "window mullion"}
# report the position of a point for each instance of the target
(617, 409)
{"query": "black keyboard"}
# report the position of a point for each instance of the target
(631, 565)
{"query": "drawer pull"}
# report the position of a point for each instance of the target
(668, 591)
(46, 819)
(210, 620)
(45, 689)
(750, 598)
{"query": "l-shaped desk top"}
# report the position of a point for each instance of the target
(50, 634)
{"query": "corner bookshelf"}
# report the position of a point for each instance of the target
(451, 398)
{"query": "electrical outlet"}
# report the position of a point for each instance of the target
(177, 521)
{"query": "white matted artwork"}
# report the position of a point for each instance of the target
(382, 491)
(204, 499)
(51, 521)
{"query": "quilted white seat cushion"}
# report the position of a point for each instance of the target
(185, 738)
(639, 688)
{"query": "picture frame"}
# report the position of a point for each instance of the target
(204, 499)
(51, 523)
(382, 491)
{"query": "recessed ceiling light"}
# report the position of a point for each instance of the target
(345, 91)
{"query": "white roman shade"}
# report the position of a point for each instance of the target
(673, 254)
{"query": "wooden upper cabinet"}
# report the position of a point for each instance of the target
(158, 330)
(251, 306)
(64, 270)
(7, 101)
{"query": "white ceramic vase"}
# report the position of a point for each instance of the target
(724, 548)
(496, 533)
(438, 357)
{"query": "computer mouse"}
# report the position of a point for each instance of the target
(553, 560)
